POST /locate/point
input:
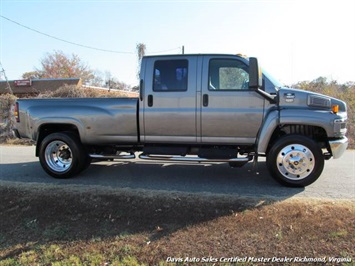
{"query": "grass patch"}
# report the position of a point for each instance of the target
(339, 234)
(58, 227)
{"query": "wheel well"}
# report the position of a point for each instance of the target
(314, 132)
(48, 129)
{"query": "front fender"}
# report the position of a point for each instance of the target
(316, 118)
(268, 128)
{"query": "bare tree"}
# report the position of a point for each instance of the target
(59, 65)
(141, 47)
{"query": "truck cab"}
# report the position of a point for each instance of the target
(200, 99)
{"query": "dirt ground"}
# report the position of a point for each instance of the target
(70, 226)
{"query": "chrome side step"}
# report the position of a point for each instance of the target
(170, 158)
(192, 159)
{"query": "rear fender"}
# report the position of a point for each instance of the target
(45, 129)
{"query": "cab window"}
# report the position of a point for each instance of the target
(170, 75)
(228, 74)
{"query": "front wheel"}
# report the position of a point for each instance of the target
(62, 155)
(295, 161)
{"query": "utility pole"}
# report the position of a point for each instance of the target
(7, 81)
(183, 49)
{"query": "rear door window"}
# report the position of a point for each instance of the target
(170, 75)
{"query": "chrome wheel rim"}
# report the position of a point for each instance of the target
(58, 156)
(295, 162)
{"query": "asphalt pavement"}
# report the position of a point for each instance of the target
(19, 166)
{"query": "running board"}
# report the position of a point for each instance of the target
(192, 159)
(112, 157)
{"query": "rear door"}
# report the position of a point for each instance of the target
(169, 104)
(230, 112)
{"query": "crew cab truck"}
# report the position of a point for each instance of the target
(203, 108)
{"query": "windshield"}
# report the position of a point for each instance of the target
(274, 81)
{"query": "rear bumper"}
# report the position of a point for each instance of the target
(338, 147)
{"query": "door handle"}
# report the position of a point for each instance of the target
(150, 100)
(141, 90)
(205, 100)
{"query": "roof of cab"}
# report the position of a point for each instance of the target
(192, 55)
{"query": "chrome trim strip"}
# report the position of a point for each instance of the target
(99, 156)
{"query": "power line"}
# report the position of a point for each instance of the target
(78, 44)
(164, 51)
(62, 40)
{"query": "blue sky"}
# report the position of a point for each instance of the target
(294, 40)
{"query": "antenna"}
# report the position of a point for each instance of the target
(7, 81)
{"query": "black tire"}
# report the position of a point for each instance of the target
(62, 155)
(87, 162)
(295, 161)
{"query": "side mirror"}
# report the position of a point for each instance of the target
(255, 75)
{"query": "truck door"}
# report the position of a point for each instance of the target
(169, 104)
(230, 112)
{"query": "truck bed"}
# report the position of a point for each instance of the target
(98, 120)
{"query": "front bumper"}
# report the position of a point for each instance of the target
(338, 147)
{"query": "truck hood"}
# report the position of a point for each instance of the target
(295, 98)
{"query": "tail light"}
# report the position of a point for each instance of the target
(16, 112)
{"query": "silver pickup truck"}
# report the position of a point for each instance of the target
(203, 108)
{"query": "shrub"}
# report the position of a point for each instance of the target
(7, 102)
(72, 91)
